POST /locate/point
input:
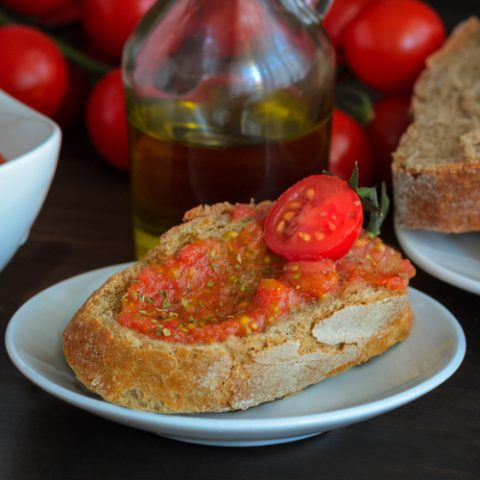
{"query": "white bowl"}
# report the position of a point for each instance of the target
(30, 142)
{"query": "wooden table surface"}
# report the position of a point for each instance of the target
(85, 224)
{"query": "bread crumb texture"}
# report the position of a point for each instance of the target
(297, 350)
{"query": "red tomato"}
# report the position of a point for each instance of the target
(108, 23)
(66, 14)
(391, 119)
(387, 43)
(33, 68)
(2, 159)
(233, 28)
(319, 217)
(317, 278)
(35, 7)
(75, 99)
(339, 16)
(349, 144)
(107, 120)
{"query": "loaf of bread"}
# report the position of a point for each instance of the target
(436, 167)
(298, 348)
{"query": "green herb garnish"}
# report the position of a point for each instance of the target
(376, 208)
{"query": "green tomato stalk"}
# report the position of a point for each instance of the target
(376, 208)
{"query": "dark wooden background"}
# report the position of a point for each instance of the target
(85, 224)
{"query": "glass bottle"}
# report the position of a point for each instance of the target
(227, 100)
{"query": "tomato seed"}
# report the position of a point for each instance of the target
(331, 226)
(304, 236)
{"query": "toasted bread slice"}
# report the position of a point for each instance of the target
(436, 167)
(299, 348)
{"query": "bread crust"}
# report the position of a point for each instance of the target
(443, 199)
(441, 196)
(297, 350)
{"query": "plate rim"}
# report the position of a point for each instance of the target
(180, 423)
(449, 276)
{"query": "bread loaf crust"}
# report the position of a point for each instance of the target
(429, 194)
(445, 199)
(297, 350)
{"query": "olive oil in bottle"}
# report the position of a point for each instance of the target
(221, 111)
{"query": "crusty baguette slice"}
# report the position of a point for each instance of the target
(300, 349)
(436, 167)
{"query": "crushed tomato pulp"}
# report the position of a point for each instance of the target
(234, 285)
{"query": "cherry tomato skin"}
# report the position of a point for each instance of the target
(339, 16)
(106, 119)
(35, 7)
(319, 217)
(349, 144)
(248, 16)
(387, 43)
(73, 105)
(33, 69)
(65, 15)
(391, 119)
(108, 23)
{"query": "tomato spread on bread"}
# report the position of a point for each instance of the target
(235, 285)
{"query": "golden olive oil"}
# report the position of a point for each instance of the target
(226, 101)
(178, 165)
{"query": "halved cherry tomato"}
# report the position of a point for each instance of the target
(320, 216)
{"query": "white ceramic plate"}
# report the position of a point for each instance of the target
(453, 258)
(432, 353)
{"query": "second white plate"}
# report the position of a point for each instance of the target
(431, 354)
(453, 258)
